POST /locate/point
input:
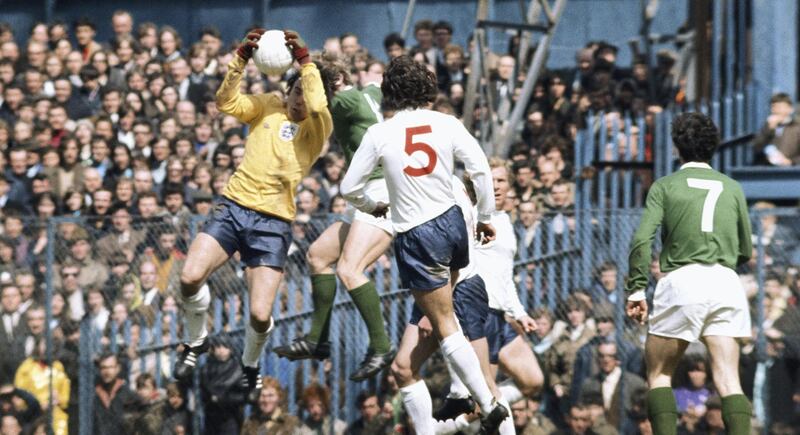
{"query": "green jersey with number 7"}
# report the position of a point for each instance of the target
(703, 217)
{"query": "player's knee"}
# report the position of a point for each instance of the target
(347, 272)
(402, 372)
(727, 384)
(316, 261)
(191, 279)
(533, 384)
(259, 316)
(532, 387)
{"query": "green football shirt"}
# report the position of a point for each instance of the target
(703, 217)
(354, 111)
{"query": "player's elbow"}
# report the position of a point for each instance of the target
(221, 103)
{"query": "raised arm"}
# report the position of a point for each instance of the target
(318, 125)
(230, 100)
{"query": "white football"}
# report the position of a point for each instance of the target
(272, 57)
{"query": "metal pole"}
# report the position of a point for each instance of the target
(48, 308)
(648, 13)
(530, 81)
(742, 40)
(473, 81)
(716, 50)
(730, 49)
(407, 19)
(534, 11)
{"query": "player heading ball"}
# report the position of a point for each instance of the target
(418, 148)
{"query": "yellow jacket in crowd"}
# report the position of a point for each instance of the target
(34, 376)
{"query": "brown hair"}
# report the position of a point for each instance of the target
(316, 392)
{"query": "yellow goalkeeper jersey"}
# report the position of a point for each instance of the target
(278, 153)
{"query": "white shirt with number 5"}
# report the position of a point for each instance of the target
(418, 149)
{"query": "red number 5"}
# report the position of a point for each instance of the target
(412, 147)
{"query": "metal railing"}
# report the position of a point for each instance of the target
(559, 256)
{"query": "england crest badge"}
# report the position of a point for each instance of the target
(288, 131)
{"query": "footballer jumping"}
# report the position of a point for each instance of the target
(417, 149)
(705, 231)
(506, 349)
(352, 245)
(254, 217)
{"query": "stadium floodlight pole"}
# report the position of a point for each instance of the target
(532, 16)
(534, 70)
(473, 81)
(407, 19)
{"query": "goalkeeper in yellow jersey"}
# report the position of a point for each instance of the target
(255, 214)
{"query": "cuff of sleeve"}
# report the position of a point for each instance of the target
(770, 150)
(637, 296)
(237, 63)
(484, 218)
(307, 66)
(369, 205)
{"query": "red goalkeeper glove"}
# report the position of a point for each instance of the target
(297, 46)
(249, 43)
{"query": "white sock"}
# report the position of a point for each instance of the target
(448, 427)
(254, 344)
(507, 426)
(196, 310)
(458, 424)
(509, 391)
(417, 401)
(457, 388)
(461, 423)
(462, 357)
(472, 427)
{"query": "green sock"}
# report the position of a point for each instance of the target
(663, 411)
(323, 292)
(369, 305)
(736, 414)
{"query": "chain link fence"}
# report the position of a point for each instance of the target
(111, 286)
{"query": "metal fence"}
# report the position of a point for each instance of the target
(560, 256)
(617, 156)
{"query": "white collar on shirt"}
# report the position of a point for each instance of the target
(699, 165)
(609, 385)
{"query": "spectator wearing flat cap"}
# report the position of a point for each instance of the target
(93, 273)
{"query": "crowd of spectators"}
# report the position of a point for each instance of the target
(123, 140)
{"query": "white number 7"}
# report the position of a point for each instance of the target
(714, 188)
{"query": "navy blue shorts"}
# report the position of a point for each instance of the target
(261, 239)
(499, 333)
(471, 305)
(428, 252)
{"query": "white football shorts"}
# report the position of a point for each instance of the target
(377, 190)
(697, 300)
